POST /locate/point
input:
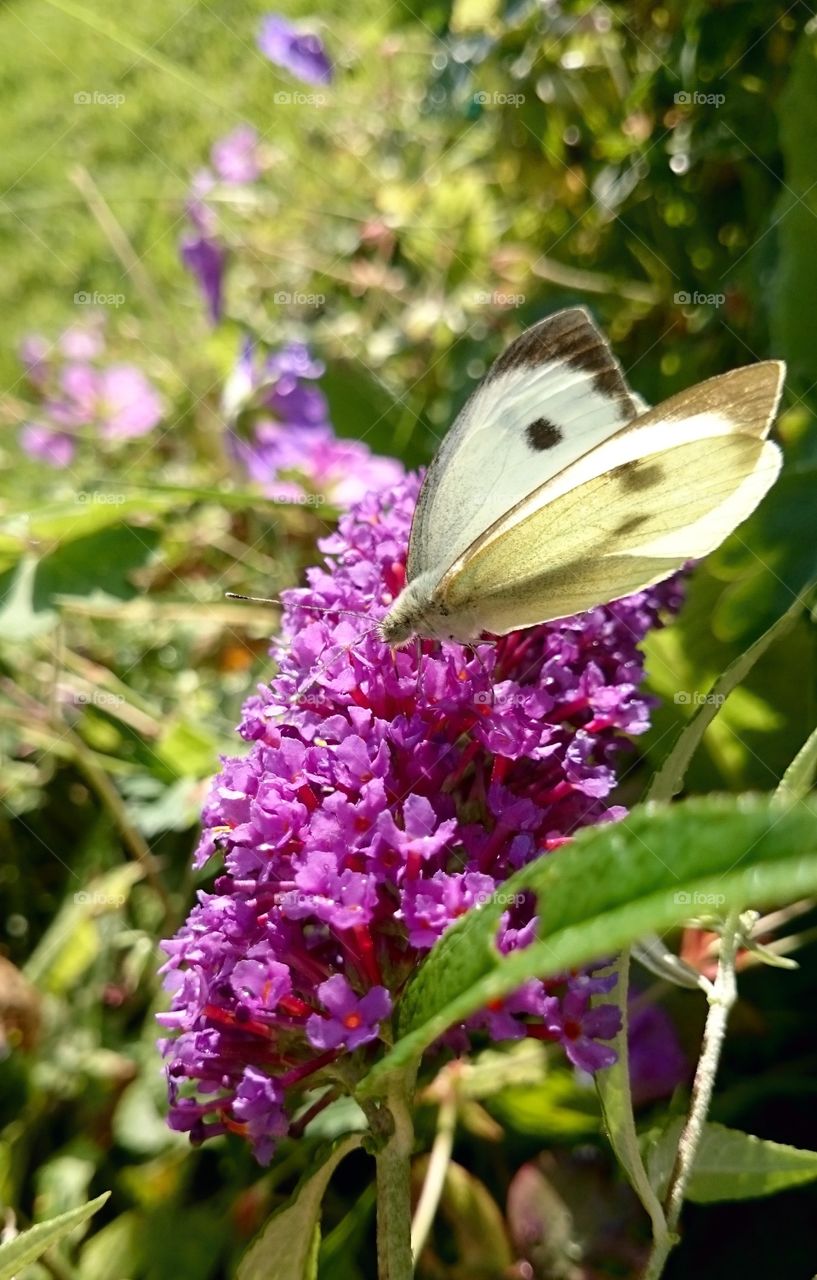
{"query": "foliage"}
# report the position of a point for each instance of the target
(470, 168)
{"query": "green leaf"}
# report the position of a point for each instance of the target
(100, 562)
(795, 295)
(730, 1164)
(189, 750)
(90, 512)
(615, 1095)
(558, 1107)
(287, 1246)
(670, 777)
(798, 779)
(32, 1244)
(20, 619)
(610, 886)
(475, 1223)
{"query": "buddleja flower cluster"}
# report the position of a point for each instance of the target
(378, 802)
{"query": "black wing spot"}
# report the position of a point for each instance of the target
(632, 523)
(543, 434)
(635, 476)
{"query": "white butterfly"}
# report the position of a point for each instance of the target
(557, 490)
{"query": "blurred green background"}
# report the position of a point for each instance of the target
(472, 167)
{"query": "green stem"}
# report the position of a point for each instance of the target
(394, 1261)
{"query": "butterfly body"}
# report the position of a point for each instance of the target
(557, 489)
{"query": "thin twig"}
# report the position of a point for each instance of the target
(721, 998)
(438, 1163)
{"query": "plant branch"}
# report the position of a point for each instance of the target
(394, 1259)
(721, 997)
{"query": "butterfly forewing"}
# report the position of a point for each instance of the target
(556, 393)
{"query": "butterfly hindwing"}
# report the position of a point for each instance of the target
(554, 394)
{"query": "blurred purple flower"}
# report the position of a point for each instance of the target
(36, 357)
(57, 448)
(657, 1061)
(378, 802)
(300, 52)
(235, 156)
(83, 341)
(128, 404)
(118, 402)
(299, 437)
(204, 256)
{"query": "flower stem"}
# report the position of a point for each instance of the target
(394, 1260)
(721, 997)
(435, 1175)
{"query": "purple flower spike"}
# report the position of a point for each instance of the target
(352, 1021)
(377, 803)
(297, 51)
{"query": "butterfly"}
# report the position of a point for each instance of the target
(557, 489)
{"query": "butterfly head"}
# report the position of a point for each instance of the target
(419, 611)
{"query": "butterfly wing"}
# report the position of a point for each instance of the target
(631, 512)
(556, 392)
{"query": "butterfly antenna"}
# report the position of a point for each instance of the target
(316, 608)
